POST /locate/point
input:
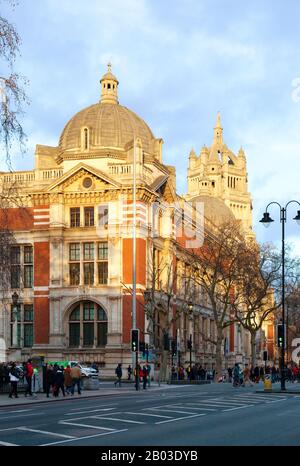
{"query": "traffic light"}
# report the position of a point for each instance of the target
(280, 335)
(134, 340)
(174, 347)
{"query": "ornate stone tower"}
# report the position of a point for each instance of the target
(218, 173)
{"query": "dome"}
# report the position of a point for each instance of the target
(105, 124)
(215, 210)
(110, 125)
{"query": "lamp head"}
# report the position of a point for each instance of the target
(266, 220)
(297, 218)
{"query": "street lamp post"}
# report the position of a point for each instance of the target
(266, 220)
(190, 342)
(15, 298)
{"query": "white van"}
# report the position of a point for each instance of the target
(85, 371)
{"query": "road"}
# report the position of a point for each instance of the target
(186, 415)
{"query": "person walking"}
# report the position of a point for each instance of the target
(68, 380)
(76, 378)
(129, 372)
(247, 379)
(14, 379)
(59, 381)
(236, 375)
(145, 376)
(148, 374)
(28, 377)
(118, 373)
(49, 379)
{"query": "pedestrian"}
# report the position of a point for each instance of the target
(148, 374)
(28, 377)
(129, 372)
(68, 380)
(118, 372)
(256, 374)
(229, 370)
(14, 379)
(49, 379)
(145, 376)
(59, 381)
(262, 373)
(76, 378)
(236, 375)
(247, 380)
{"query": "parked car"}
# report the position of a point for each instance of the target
(85, 371)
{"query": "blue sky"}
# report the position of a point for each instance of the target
(178, 63)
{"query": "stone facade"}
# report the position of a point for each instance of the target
(76, 213)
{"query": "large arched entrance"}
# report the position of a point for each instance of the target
(87, 325)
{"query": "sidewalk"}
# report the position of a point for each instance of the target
(106, 389)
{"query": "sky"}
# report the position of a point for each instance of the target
(178, 63)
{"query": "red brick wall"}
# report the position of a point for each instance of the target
(140, 260)
(18, 219)
(41, 303)
(41, 320)
(41, 264)
(127, 317)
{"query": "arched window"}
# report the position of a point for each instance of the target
(85, 139)
(87, 325)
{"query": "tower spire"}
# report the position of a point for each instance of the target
(218, 131)
(109, 87)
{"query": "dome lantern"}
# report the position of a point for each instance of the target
(109, 87)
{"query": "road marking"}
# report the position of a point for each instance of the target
(84, 425)
(180, 418)
(95, 406)
(20, 411)
(217, 405)
(276, 401)
(220, 403)
(20, 415)
(44, 432)
(202, 409)
(116, 419)
(90, 411)
(6, 444)
(82, 438)
(174, 411)
(248, 398)
(238, 407)
(148, 414)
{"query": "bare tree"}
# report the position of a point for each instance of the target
(259, 271)
(215, 269)
(12, 95)
(165, 305)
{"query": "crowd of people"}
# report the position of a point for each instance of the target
(56, 379)
(144, 374)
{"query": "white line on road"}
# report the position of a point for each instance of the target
(83, 438)
(20, 411)
(44, 432)
(116, 419)
(173, 411)
(84, 425)
(148, 414)
(276, 401)
(238, 407)
(201, 409)
(20, 415)
(90, 411)
(94, 406)
(6, 444)
(180, 418)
